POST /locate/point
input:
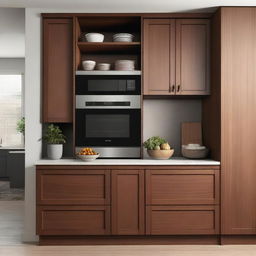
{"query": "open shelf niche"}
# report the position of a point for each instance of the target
(108, 51)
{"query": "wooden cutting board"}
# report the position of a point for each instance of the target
(191, 133)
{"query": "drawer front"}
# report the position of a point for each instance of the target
(182, 187)
(73, 220)
(78, 187)
(178, 220)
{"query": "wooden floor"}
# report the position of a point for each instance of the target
(11, 222)
(149, 250)
(11, 228)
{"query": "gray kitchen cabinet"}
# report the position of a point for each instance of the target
(3, 169)
(16, 168)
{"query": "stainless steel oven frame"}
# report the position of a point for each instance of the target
(110, 104)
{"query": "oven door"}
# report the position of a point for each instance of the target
(108, 127)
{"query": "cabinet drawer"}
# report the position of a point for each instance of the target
(182, 220)
(73, 220)
(73, 187)
(182, 187)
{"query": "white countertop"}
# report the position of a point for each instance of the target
(172, 161)
(12, 148)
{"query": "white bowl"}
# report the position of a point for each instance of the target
(94, 37)
(88, 158)
(88, 64)
(103, 66)
(194, 153)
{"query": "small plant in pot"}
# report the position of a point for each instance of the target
(55, 140)
(158, 148)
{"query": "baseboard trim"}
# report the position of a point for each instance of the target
(130, 240)
(238, 239)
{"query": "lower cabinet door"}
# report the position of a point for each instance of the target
(73, 220)
(128, 202)
(182, 220)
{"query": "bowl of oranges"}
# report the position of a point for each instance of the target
(87, 154)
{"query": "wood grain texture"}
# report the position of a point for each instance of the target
(159, 57)
(128, 202)
(73, 220)
(193, 56)
(62, 187)
(238, 104)
(191, 132)
(211, 107)
(182, 220)
(182, 187)
(57, 70)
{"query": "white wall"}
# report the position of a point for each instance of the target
(164, 117)
(32, 114)
(12, 66)
(12, 32)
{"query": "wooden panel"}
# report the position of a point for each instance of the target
(170, 187)
(238, 147)
(211, 104)
(127, 202)
(191, 132)
(174, 220)
(73, 220)
(62, 187)
(57, 70)
(192, 56)
(159, 57)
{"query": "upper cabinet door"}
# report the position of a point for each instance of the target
(159, 57)
(192, 56)
(57, 70)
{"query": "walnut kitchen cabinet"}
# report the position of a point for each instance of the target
(176, 56)
(128, 202)
(159, 56)
(238, 122)
(182, 202)
(83, 204)
(57, 70)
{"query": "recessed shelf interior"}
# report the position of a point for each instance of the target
(108, 51)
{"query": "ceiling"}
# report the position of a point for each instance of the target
(128, 5)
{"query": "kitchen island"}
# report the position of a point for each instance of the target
(132, 201)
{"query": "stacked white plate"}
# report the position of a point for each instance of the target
(125, 65)
(123, 37)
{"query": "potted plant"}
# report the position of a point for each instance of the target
(158, 148)
(21, 128)
(55, 140)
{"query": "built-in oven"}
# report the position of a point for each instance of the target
(111, 124)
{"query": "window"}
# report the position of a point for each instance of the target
(10, 109)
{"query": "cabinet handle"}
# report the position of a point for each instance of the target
(178, 89)
(171, 88)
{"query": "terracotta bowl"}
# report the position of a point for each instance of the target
(161, 154)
